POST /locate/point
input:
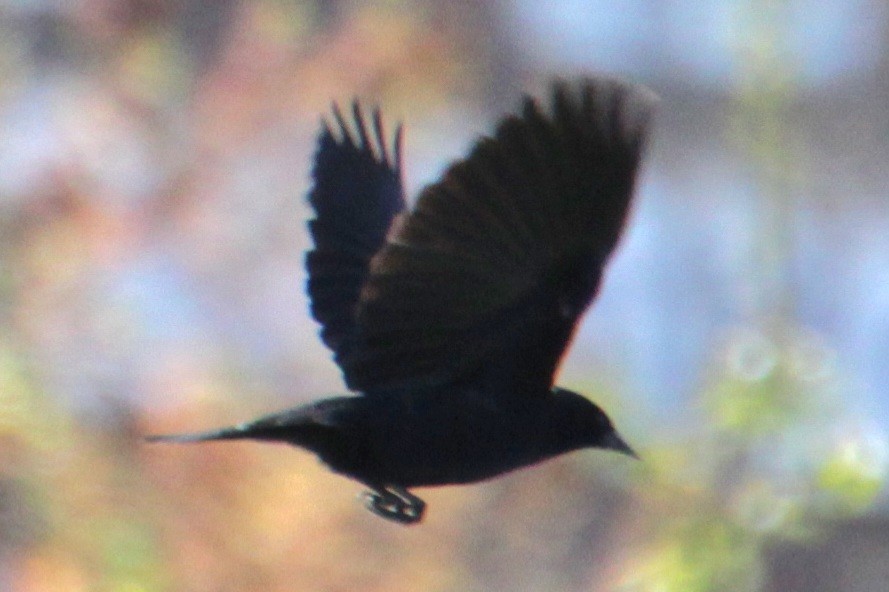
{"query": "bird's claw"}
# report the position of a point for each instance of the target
(393, 507)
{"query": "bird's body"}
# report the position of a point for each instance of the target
(451, 322)
(437, 436)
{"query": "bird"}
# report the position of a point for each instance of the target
(449, 320)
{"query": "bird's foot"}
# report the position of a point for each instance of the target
(395, 503)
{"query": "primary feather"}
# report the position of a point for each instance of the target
(497, 261)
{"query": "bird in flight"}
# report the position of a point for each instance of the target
(449, 320)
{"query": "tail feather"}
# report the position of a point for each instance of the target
(311, 426)
(229, 433)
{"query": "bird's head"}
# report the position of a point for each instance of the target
(586, 425)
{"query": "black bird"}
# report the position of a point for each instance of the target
(450, 320)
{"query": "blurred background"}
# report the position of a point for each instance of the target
(154, 157)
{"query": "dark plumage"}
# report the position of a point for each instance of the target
(450, 320)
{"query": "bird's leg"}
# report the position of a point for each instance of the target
(383, 502)
(394, 503)
(415, 506)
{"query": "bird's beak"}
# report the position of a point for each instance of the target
(613, 441)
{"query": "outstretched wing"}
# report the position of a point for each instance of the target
(488, 275)
(356, 194)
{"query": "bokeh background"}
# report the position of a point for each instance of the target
(154, 156)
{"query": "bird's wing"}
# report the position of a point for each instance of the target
(357, 192)
(488, 275)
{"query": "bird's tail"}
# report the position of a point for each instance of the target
(309, 426)
(238, 432)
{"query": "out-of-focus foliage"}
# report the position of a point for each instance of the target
(152, 164)
(772, 466)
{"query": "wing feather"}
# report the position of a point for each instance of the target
(357, 193)
(489, 274)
